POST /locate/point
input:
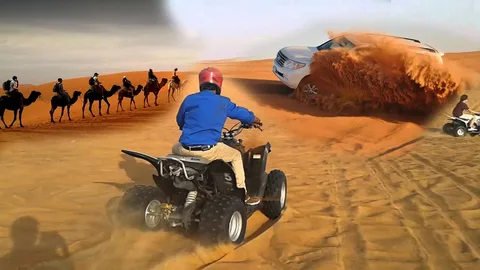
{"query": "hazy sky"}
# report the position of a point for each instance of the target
(258, 28)
(46, 39)
(41, 40)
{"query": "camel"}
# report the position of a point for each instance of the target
(124, 93)
(183, 83)
(13, 104)
(92, 95)
(60, 101)
(150, 88)
(172, 87)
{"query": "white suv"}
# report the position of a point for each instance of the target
(292, 64)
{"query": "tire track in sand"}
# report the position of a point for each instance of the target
(351, 253)
(377, 172)
(459, 181)
(438, 256)
(450, 216)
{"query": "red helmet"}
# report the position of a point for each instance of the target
(212, 76)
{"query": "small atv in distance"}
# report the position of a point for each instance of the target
(202, 196)
(458, 127)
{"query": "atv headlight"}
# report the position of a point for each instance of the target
(290, 64)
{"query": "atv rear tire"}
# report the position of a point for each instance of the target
(448, 128)
(460, 131)
(275, 196)
(132, 209)
(223, 221)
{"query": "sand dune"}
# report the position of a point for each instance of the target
(357, 199)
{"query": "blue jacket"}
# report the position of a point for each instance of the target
(202, 115)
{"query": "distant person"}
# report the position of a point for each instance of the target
(58, 88)
(152, 78)
(95, 84)
(11, 89)
(127, 84)
(14, 84)
(461, 108)
(175, 78)
(201, 118)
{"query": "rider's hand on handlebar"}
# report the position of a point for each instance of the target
(257, 121)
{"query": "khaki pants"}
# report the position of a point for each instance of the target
(219, 151)
(473, 118)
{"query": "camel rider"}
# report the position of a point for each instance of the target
(13, 91)
(127, 84)
(175, 78)
(14, 85)
(152, 77)
(95, 84)
(201, 118)
(58, 89)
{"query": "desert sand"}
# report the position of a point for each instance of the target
(363, 192)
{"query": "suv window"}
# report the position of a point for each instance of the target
(336, 42)
(326, 45)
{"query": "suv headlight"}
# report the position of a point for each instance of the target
(290, 64)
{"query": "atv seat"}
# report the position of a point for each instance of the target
(189, 159)
(451, 117)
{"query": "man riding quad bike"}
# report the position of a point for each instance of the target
(464, 120)
(200, 187)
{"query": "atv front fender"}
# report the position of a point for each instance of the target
(255, 163)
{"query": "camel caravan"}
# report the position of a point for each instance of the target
(15, 101)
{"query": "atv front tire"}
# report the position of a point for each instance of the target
(275, 196)
(140, 207)
(460, 131)
(223, 220)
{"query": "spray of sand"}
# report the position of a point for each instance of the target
(132, 249)
(387, 76)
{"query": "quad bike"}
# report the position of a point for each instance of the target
(459, 126)
(202, 196)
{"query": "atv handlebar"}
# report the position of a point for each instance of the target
(233, 132)
(254, 125)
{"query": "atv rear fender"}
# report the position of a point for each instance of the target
(152, 160)
(155, 163)
(255, 164)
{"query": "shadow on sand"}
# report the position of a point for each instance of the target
(30, 247)
(277, 96)
(138, 171)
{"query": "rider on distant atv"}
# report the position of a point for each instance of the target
(95, 84)
(58, 89)
(202, 125)
(127, 84)
(152, 78)
(461, 108)
(175, 78)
